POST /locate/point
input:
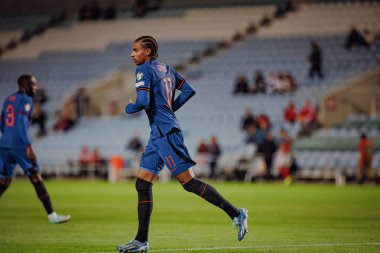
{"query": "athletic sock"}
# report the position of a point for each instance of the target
(4, 184)
(210, 194)
(43, 195)
(3, 188)
(144, 208)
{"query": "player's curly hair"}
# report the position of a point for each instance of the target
(151, 43)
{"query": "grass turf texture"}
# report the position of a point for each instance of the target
(300, 218)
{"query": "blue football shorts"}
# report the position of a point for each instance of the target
(9, 158)
(168, 149)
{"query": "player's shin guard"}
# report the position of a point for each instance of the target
(4, 184)
(43, 195)
(209, 193)
(145, 207)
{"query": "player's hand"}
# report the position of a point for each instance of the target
(30, 153)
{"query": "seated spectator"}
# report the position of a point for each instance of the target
(202, 159)
(368, 36)
(255, 135)
(292, 82)
(355, 39)
(135, 144)
(241, 85)
(84, 161)
(98, 163)
(259, 82)
(66, 119)
(307, 113)
(265, 20)
(274, 83)
(308, 118)
(290, 113)
(247, 120)
(263, 122)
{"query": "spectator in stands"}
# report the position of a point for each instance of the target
(66, 119)
(263, 122)
(39, 117)
(274, 83)
(369, 37)
(82, 102)
(258, 135)
(202, 148)
(365, 158)
(135, 144)
(355, 39)
(268, 149)
(290, 113)
(84, 161)
(247, 120)
(315, 60)
(308, 118)
(41, 96)
(255, 135)
(98, 163)
(241, 85)
(214, 152)
(292, 82)
(202, 159)
(265, 21)
(259, 82)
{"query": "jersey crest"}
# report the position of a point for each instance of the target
(139, 76)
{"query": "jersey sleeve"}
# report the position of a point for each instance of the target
(187, 91)
(2, 120)
(143, 86)
(24, 117)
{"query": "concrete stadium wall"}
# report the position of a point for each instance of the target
(359, 96)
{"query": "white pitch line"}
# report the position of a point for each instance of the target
(264, 247)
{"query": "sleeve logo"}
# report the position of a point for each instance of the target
(27, 107)
(139, 76)
(139, 84)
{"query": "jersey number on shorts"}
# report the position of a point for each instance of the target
(10, 115)
(168, 90)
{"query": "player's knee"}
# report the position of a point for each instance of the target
(142, 185)
(34, 176)
(194, 185)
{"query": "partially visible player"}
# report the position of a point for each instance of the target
(156, 84)
(15, 145)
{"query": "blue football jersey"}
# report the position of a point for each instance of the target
(161, 81)
(15, 119)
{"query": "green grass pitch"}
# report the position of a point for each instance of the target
(299, 218)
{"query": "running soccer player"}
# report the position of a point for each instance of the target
(15, 145)
(155, 85)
